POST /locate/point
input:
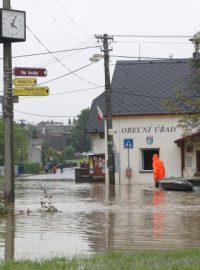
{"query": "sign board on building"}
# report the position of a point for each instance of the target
(31, 91)
(25, 81)
(36, 72)
(128, 143)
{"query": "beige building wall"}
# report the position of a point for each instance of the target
(153, 132)
(98, 144)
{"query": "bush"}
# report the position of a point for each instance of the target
(70, 152)
(31, 167)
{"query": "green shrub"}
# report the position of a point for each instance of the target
(31, 167)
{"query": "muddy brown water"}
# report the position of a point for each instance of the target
(97, 218)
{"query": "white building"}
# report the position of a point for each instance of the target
(142, 124)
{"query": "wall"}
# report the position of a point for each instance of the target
(162, 132)
(97, 143)
(35, 151)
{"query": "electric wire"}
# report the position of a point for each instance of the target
(69, 17)
(153, 42)
(139, 57)
(56, 21)
(116, 91)
(153, 36)
(58, 51)
(44, 115)
(66, 74)
(69, 55)
(63, 93)
(59, 60)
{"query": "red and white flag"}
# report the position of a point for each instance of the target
(100, 114)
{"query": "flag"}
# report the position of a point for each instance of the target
(100, 114)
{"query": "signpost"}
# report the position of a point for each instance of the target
(128, 144)
(31, 91)
(25, 81)
(36, 72)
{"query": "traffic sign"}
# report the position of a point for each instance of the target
(31, 91)
(128, 143)
(36, 72)
(14, 98)
(25, 81)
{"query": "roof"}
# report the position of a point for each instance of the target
(193, 136)
(140, 87)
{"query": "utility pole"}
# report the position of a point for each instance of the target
(8, 118)
(108, 93)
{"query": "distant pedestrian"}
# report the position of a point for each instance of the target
(46, 168)
(61, 167)
(54, 169)
(158, 170)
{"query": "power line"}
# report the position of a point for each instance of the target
(66, 92)
(68, 55)
(139, 57)
(69, 73)
(154, 36)
(58, 60)
(69, 17)
(59, 51)
(55, 20)
(44, 115)
(154, 42)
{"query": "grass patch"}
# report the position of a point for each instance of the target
(137, 260)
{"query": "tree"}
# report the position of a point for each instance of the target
(80, 140)
(20, 143)
(70, 152)
(187, 99)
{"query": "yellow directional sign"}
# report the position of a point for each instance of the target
(31, 91)
(25, 81)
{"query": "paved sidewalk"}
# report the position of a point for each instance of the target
(68, 174)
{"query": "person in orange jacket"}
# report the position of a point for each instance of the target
(158, 169)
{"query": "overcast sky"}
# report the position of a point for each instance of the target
(61, 25)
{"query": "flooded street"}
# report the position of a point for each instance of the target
(96, 218)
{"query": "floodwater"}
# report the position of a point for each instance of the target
(97, 218)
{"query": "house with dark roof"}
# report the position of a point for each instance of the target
(142, 124)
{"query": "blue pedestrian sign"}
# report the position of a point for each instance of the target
(128, 143)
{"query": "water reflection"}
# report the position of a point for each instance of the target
(158, 214)
(95, 218)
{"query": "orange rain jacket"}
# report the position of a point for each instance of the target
(158, 168)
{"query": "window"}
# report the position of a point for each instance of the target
(146, 158)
